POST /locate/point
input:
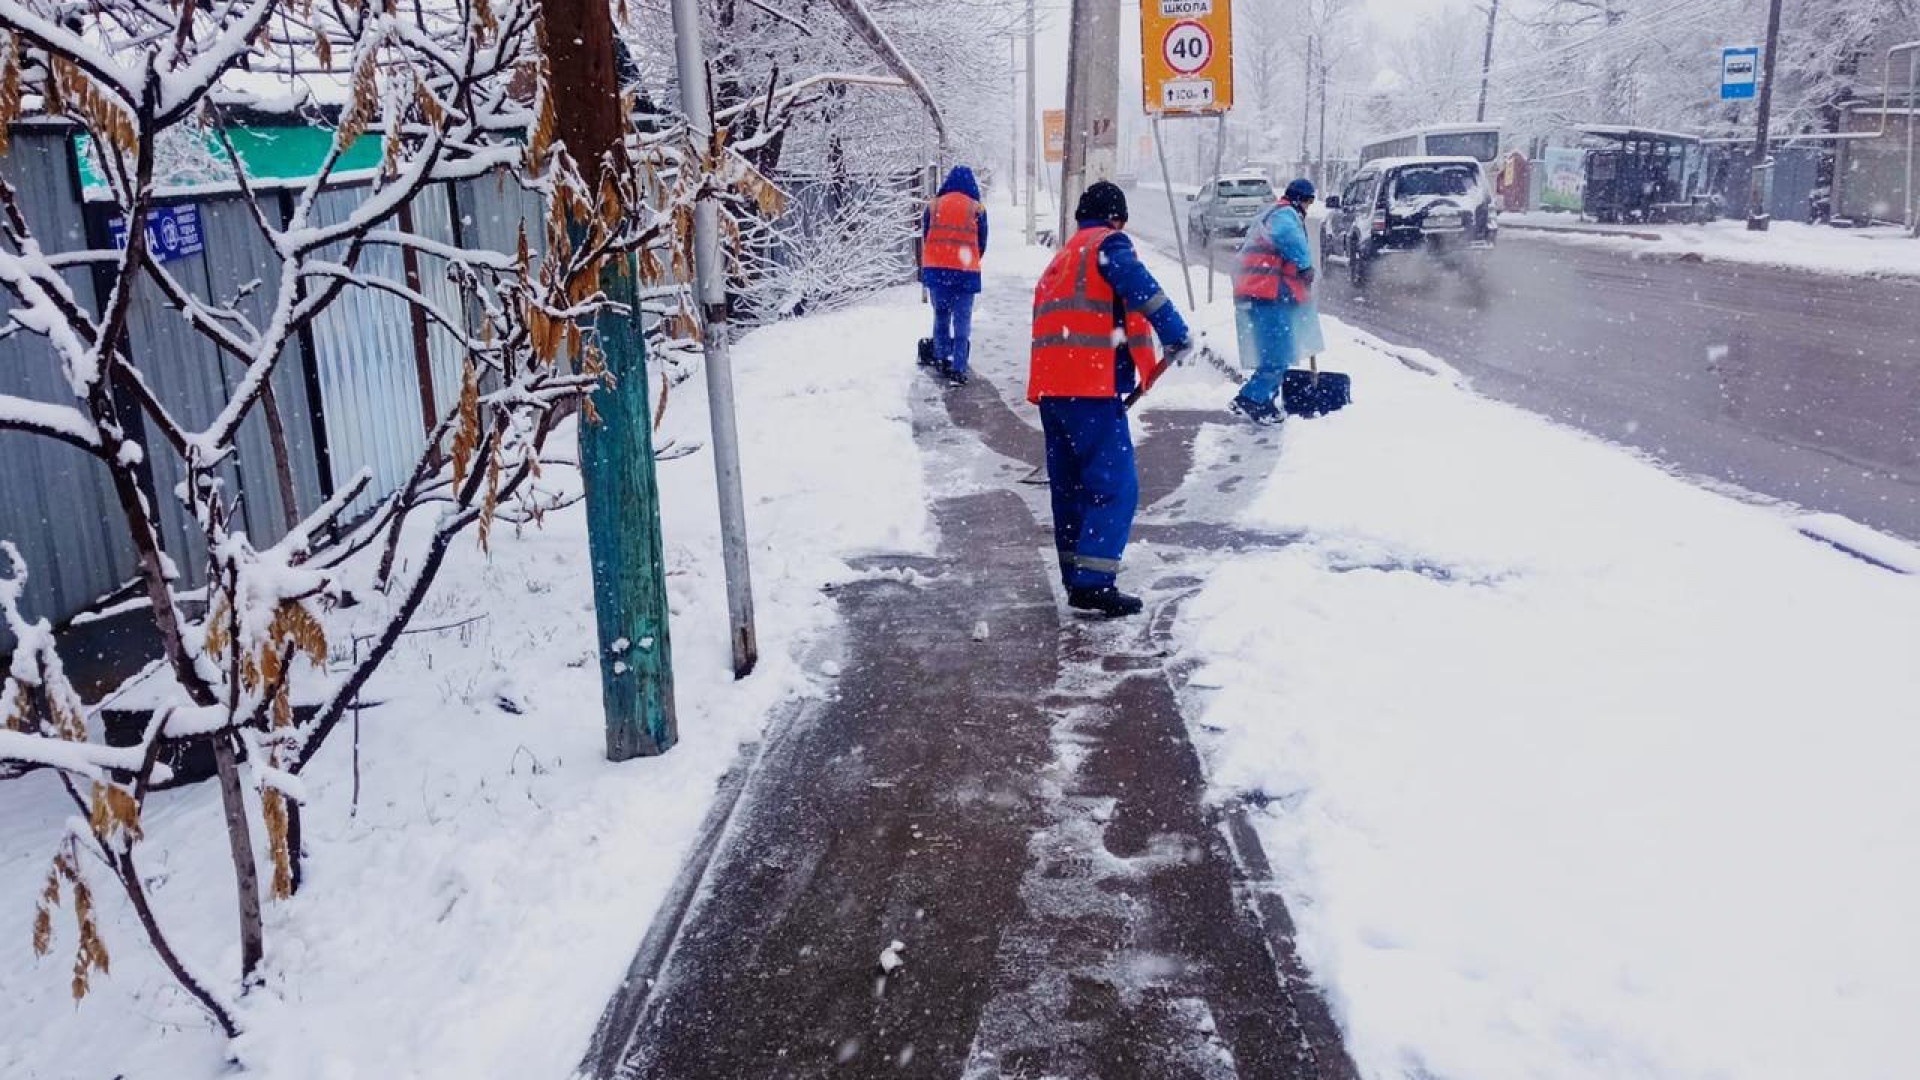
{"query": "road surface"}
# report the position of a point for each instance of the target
(1794, 386)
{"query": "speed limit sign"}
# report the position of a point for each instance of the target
(1186, 56)
(1188, 47)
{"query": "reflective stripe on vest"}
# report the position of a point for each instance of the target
(1077, 326)
(1263, 269)
(953, 234)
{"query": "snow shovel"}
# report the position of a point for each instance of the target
(1313, 393)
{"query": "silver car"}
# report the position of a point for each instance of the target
(1226, 206)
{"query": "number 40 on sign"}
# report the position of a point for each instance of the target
(1186, 56)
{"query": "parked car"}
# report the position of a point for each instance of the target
(1226, 205)
(1434, 206)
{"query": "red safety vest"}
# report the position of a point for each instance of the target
(1262, 268)
(953, 234)
(1076, 316)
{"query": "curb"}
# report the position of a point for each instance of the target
(1578, 230)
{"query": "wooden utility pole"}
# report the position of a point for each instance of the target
(616, 454)
(1093, 102)
(1758, 217)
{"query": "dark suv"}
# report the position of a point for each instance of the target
(1437, 206)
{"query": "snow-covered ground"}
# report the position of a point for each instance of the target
(475, 913)
(1874, 252)
(1569, 768)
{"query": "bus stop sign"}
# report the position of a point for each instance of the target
(1186, 56)
(1739, 73)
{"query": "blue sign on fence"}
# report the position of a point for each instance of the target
(1739, 73)
(173, 232)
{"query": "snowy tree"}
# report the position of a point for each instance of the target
(452, 90)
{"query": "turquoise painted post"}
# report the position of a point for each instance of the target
(616, 453)
(623, 532)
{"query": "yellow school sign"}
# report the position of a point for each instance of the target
(1186, 56)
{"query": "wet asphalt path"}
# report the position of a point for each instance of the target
(1795, 386)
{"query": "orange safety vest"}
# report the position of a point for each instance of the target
(1076, 315)
(1262, 268)
(953, 234)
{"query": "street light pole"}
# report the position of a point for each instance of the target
(1486, 61)
(1757, 216)
(710, 277)
(1033, 116)
(1013, 107)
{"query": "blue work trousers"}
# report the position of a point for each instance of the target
(1095, 488)
(952, 328)
(1266, 331)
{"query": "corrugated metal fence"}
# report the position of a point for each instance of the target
(359, 392)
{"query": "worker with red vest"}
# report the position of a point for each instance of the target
(954, 237)
(1270, 290)
(1094, 316)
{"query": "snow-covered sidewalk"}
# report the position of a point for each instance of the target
(1568, 768)
(476, 910)
(1882, 251)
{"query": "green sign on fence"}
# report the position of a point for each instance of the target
(271, 155)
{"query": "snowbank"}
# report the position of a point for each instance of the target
(474, 915)
(1569, 768)
(1875, 252)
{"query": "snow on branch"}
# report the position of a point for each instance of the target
(431, 97)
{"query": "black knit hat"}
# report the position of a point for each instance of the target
(1101, 202)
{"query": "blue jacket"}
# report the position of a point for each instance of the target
(1287, 228)
(960, 179)
(1138, 290)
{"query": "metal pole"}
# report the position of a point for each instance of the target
(1179, 233)
(1757, 216)
(1306, 109)
(1219, 147)
(1320, 159)
(616, 454)
(710, 277)
(1033, 140)
(1913, 105)
(876, 39)
(1486, 62)
(1013, 109)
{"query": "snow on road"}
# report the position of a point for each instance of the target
(1882, 251)
(477, 912)
(1568, 768)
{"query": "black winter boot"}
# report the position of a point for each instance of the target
(1105, 600)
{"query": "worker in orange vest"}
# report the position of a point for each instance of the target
(1095, 313)
(1272, 300)
(954, 237)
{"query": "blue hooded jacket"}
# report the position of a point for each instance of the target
(960, 179)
